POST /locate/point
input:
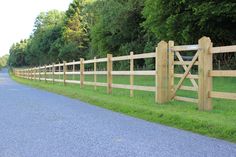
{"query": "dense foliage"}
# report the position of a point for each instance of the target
(96, 27)
(3, 61)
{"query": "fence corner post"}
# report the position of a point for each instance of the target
(161, 73)
(204, 67)
(109, 73)
(81, 72)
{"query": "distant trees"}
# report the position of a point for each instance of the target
(3, 61)
(40, 47)
(18, 54)
(96, 27)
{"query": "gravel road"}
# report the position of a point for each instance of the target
(36, 123)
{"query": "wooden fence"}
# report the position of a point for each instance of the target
(167, 56)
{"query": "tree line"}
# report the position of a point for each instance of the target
(96, 27)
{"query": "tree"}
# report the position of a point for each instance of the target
(187, 21)
(96, 27)
(75, 39)
(117, 27)
(3, 61)
(42, 48)
(18, 53)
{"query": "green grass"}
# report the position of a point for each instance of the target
(219, 123)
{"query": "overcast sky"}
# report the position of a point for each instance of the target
(18, 16)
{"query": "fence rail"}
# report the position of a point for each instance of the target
(167, 56)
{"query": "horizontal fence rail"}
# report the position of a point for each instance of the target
(166, 56)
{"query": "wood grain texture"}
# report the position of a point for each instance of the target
(204, 81)
(162, 73)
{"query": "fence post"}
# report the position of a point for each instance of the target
(30, 77)
(27, 72)
(81, 72)
(171, 70)
(31, 73)
(53, 72)
(32, 70)
(59, 70)
(45, 73)
(205, 81)
(64, 72)
(73, 69)
(131, 74)
(34, 73)
(39, 74)
(109, 73)
(95, 75)
(161, 73)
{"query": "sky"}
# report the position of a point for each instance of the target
(17, 18)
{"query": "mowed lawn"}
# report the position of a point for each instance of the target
(218, 123)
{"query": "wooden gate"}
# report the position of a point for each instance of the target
(201, 57)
